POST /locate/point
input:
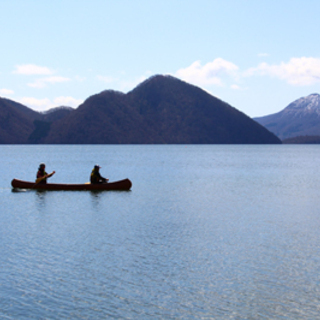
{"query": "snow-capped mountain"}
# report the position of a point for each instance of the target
(304, 105)
(299, 118)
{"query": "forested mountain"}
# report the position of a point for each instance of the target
(16, 122)
(302, 140)
(161, 110)
(20, 125)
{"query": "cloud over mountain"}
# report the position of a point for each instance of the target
(298, 71)
(45, 103)
(212, 73)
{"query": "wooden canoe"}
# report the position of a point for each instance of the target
(116, 185)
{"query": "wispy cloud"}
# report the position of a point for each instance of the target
(301, 71)
(6, 92)
(32, 69)
(298, 71)
(42, 82)
(36, 104)
(211, 73)
(35, 70)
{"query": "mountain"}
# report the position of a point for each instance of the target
(302, 140)
(20, 124)
(57, 113)
(299, 118)
(103, 118)
(16, 122)
(161, 110)
(42, 126)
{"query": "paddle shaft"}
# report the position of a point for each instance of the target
(44, 177)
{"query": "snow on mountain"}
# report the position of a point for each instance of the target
(305, 105)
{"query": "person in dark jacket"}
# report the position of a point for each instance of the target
(96, 176)
(42, 175)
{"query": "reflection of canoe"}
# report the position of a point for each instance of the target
(117, 185)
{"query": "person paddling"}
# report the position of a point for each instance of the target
(42, 175)
(96, 177)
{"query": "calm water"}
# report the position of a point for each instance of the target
(207, 232)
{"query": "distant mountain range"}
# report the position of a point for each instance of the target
(299, 122)
(161, 110)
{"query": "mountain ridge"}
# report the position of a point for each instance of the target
(160, 110)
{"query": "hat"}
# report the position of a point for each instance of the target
(97, 166)
(42, 165)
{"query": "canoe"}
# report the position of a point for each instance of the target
(116, 185)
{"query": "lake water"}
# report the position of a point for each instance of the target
(207, 232)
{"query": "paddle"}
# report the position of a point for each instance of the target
(44, 177)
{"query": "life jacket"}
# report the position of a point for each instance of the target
(95, 176)
(40, 174)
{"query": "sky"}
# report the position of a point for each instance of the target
(256, 55)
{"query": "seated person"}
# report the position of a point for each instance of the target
(42, 175)
(96, 177)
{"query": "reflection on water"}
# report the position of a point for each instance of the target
(95, 198)
(213, 232)
(18, 190)
(41, 198)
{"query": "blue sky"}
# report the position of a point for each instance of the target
(257, 55)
